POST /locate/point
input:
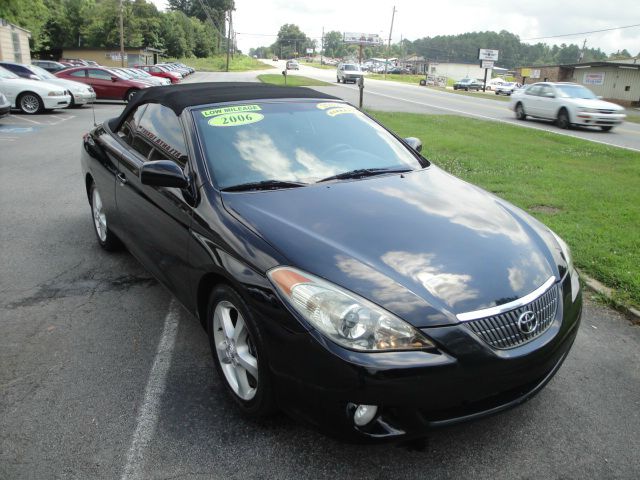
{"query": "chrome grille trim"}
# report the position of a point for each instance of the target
(505, 307)
(501, 330)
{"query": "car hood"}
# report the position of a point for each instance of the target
(38, 86)
(424, 245)
(594, 103)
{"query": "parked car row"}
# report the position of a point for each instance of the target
(34, 88)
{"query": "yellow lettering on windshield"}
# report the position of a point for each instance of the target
(235, 119)
(233, 109)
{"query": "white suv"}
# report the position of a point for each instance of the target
(566, 103)
(348, 72)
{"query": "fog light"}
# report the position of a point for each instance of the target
(364, 414)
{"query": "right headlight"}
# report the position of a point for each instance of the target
(344, 317)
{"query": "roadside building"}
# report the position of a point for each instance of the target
(617, 82)
(110, 57)
(14, 43)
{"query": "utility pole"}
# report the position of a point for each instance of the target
(229, 39)
(322, 46)
(386, 60)
(581, 54)
(121, 36)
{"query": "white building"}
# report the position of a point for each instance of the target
(457, 71)
(14, 43)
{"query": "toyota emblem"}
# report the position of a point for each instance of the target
(527, 322)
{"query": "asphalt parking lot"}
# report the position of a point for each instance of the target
(90, 341)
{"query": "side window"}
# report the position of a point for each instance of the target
(534, 90)
(546, 91)
(99, 74)
(161, 129)
(78, 73)
(128, 128)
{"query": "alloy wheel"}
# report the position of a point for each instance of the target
(235, 350)
(30, 103)
(99, 217)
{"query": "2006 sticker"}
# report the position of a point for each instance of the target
(235, 119)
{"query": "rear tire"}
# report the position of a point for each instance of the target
(563, 119)
(338, 79)
(520, 115)
(239, 353)
(30, 103)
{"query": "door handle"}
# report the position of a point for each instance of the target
(121, 178)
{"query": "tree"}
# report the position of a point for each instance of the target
(31, 15)
(291, 41)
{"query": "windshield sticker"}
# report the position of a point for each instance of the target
(235, 119)
(332, 112)
(235, 109)
(325, 105)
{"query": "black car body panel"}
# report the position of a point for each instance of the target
(424, 245)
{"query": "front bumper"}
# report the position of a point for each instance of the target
(84, 98)
(598, 119)
(5, 110)
(56, 102)
(417, 390)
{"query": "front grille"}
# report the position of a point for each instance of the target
(502, 331)
(606, 111)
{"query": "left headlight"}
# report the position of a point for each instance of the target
(56, 94)
(344, 317)
(588, 110)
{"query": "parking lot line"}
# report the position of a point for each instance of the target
(150, 409)
(25, 119)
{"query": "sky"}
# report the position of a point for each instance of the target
(257, 21)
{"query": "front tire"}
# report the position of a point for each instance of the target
(30, 103)
(520, 115)
(606, 128)
(239, 353)
(106, 238)
(563, 119)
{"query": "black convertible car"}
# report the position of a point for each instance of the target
(340, 275)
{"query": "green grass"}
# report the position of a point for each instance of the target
(292, 80)
(218, 63)
(414, 79)
(633, 116)
(588, 193)
(318, 65)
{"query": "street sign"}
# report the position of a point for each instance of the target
(362, 38)
(487, 54)
(486, 64)
(309, 51)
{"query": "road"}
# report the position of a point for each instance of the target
(79, 362)
(396, 96)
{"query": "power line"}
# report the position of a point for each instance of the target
(581, 33)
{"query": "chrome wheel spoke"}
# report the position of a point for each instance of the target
(240, 330)
(248, 361)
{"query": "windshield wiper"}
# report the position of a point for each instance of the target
(264, 185)
(364, 172)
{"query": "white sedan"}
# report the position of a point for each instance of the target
(32, 96)
(567, 104)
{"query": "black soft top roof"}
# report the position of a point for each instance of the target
(179, 97)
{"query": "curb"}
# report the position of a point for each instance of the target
(598, 287)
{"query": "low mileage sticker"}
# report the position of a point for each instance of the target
(235, 119)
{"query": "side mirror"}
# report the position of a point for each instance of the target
(163, 173)
(114, 79)
(414, 143)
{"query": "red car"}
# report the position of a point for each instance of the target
(108, 85)
(158, 71)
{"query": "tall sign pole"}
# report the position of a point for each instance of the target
(386, 60)
(322, 46)
(229, 39)
(121, 36)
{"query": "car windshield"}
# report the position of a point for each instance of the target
(351, 67)
(4, 73)
(121, 74)
(42, 73)
(302, 141)
(574, 91)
